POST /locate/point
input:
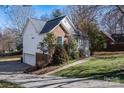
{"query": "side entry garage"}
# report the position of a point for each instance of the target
(29, 59)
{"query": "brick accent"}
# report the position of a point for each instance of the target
(58, 31)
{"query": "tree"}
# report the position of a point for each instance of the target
(95, 37)
(120, 8)
(60, 55)
(48, 45)
(17, 16)
(8, 40)
(57, 13)
(73, 48)
(85, 19)
(113, 18)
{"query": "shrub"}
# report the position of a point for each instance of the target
(60, 55)
(11, 54)
(72, 48)
(75, 55)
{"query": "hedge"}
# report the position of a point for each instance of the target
(11, 54)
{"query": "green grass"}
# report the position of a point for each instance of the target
(5, 84)
(103, 67)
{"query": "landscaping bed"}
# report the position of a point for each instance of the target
(39, 71)
(109, 68)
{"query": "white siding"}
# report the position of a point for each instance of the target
(84, 45)
(68, 26)
(29, 59)
(31, 40)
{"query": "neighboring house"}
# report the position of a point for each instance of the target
(114, 41)
(35, 30)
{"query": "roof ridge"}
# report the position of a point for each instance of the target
(37, 19)
(56, 18)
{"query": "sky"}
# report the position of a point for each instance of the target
(46, 9)
(39, 10)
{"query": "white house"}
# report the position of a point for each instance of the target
(35, 30)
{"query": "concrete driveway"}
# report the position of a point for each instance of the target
(13, 72)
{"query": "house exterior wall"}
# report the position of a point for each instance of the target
(68, 25)
(84, 45)
(58, 32)
(31, 40)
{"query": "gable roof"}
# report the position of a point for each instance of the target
(108, 35)
(38, 24)
(47, 26)
(51, 24)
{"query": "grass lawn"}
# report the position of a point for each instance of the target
(105, 67)
(5, 84)
(10, 58)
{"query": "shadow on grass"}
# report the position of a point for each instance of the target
(6, 84)
(117, 75)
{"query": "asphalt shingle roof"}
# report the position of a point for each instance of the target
(51, 24)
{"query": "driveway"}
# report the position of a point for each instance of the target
(12, 67)
(13, 72)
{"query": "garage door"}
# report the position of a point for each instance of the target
(29, 59)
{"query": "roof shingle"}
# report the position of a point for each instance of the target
(51, 24)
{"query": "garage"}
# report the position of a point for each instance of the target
(29, 59)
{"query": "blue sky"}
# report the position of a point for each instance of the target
(39, 10)
(46, 9)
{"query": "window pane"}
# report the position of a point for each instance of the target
(59, 40)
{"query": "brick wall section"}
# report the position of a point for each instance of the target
(58, 31)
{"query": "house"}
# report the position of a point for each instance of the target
(114, 41)
(35, 30)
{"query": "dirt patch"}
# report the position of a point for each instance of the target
(45, 70)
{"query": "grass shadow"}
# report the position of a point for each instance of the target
(117, 75)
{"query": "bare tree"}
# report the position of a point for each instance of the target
(85, 19)
(8, 40)
(120, 8)
(17, 16)
(113, 19)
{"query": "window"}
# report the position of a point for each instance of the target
(60, 40)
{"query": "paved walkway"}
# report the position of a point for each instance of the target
(13, 72)
(36, 81)
(69, 65)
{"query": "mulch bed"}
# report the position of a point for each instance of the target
(45, 70)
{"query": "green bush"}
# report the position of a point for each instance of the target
(75, 55)
(60, 55)
(72, 49)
